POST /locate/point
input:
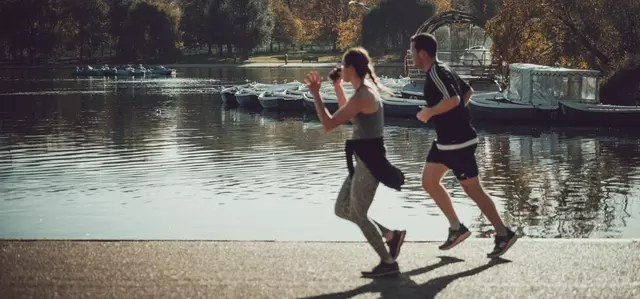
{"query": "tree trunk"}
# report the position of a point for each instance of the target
(209, 48)
(230, 50)
(271, 48)
(32, 56)
(220, 48)
(245, 54)
(90, 50)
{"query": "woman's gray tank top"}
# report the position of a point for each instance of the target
(369, 125)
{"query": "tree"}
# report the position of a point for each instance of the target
(348, 32)
(584, 34)
(287, 28)
(193, 23)
(442, 5)
(531, 41)
(88, 25)
(31, 28)
(483, 10)
(350, 29)
(252, 24)
(150, 32)
(384, 31)
(566, 32)
(219, 24)
(117, 15)
(332, 16)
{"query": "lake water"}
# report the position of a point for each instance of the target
(162, 159)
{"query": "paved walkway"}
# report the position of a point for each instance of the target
(185, 269)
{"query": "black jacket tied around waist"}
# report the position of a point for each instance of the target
(373, 153)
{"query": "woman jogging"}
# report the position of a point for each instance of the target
(365, 111)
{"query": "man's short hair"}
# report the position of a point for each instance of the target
(426, 42)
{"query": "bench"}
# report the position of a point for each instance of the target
(310, 58)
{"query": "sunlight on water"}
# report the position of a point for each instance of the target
(163, 159)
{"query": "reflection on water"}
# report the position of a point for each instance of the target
(163, 159)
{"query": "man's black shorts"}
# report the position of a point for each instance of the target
(461, 161)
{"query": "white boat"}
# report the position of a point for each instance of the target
(229, 94)
(531, 97)
(248, 97)
(286, 100)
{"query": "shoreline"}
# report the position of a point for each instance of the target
(211, 65)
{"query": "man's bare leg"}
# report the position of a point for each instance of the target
(474, 189)
(432, 175)
(505, 238)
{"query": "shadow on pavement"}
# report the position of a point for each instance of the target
(403, 287)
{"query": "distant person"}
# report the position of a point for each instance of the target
(364, 109)
(447, 96)
(286, 58)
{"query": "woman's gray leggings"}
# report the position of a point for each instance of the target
(354, 200)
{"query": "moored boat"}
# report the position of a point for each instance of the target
(161, 71)
(580, 102)
(229, 95)
(531, 97)
(331, 102)
(87, 71)
(281, 101)
(248, 97)
(401, 107)
(413, 90)
(493, 106)
(576, 113)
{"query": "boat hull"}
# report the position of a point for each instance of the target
(168, 72)
(598, 114)
(503, 111)
(282, 104)
(87, 73)
(310, 107)
(399, 107)
(229, 99)
(249, 101)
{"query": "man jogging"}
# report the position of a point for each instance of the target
(447, 96)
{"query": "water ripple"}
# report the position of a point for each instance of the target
(160, 158)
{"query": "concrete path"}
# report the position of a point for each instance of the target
(200, 269)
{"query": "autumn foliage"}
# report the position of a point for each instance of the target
(288, 28)
(590, 33)
(595, 34)
(333, 21)
(442, 5)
